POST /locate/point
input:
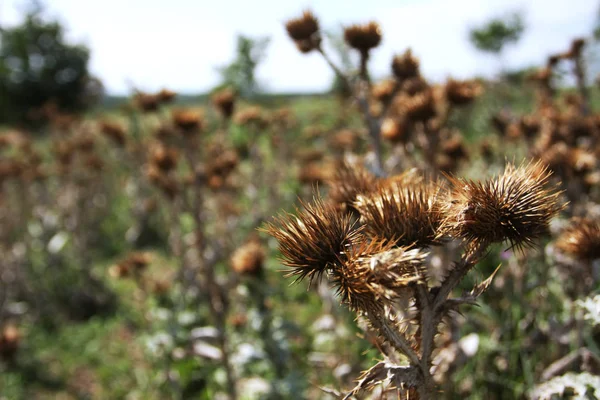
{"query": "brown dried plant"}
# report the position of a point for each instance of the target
(378, 266)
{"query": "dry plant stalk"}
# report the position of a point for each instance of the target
(378, 263)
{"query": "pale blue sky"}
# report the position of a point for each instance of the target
(178, 43)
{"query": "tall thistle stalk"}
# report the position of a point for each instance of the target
(374, 252)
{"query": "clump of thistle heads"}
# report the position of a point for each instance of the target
(396, 109)
(372, 238)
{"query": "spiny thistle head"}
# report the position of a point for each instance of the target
(376, 273)
(347, 182)
(363, 37)
(581, 239)
(304, 31)
(314, 241)
(405, 66)
(516, 207)
(402, 214)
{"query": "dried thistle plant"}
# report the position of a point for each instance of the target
(378, 266)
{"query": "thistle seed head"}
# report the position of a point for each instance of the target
(516, 207)
(581, 239)
(376, 273)
(363, 37)
(404, 215)
(315, 240)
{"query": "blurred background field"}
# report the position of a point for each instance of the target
(132, 194)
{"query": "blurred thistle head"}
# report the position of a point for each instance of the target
(384, 90)
(461, 93)
(224, 102)
(251, 116)
(304, 31)
(581, 239)
(515, 207)
(363, 37)
(376, 274)
(249, 258)
(395, 130)
(403, 213)
(166, 96)
(189, 122)
(314, 241)
(163, 157)
(147, 102)
(347, 182)
(405, 66)
(114, 131)
(420, 107)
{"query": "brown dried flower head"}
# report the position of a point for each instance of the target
(166, 96)
(224, 101)
(314, 241)
(147, 102)
(114, 131)
(249, 258)
(165, 158)
(461, 93)
(304, 31)
(189, 122)
(402, 214)
(253, 116)
(384, 90)
(363, 37)
(347, 182)
(405, 66)
(516, 207)
(376, 274)
(581, 239)
(420, 107)
(394, 130)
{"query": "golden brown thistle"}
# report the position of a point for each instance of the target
(164, 158)
(376, 274)
(461, 93)
(405, 66)
(166, 96)
(401, 214)
(420, 107)
(147, 102)
(394, 130)
(581, 239)
(314, 241)
(253, 115)
(384, 90)
(347, 182)
(363, 37)
(224, 101)
(189, 122)
(516, 207)
(114, 131)
(304, 31)
(249, 258)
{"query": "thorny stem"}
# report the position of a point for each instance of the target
(457, 274)
(373, 125)
(381, 324)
